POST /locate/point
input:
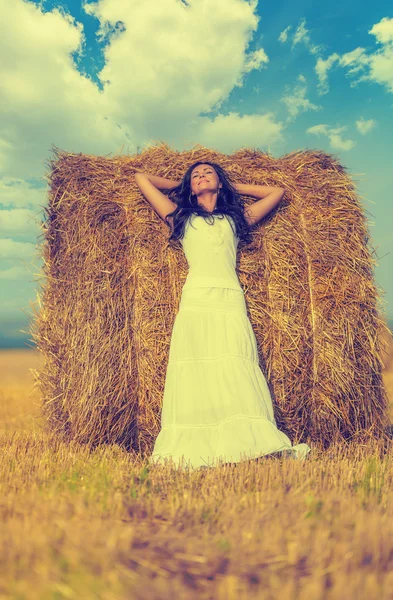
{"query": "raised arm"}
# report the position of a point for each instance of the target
(269, 197)
(150, 186)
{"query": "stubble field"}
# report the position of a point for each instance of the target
(100, 524)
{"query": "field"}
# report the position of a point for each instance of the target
(99, 524)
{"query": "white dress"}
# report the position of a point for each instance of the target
(217, 405)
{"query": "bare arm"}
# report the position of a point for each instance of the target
(149, 186)
(268, 198)
(161, 183)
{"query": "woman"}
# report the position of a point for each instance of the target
(217, 406)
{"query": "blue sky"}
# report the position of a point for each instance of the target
(109, 76)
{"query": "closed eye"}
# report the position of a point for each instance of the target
(196, 174)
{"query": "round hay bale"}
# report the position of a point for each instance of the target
(113, 283)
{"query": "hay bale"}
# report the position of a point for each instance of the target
(113, 284)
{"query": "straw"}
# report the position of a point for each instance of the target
(113, 283)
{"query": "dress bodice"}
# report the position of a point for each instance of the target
(210, 247)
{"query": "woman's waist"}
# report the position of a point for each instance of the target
(213, 299)
(226, 281)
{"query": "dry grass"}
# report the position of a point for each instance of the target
(99, 524)
(113, 287)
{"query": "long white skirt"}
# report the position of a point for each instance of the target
(217, 406)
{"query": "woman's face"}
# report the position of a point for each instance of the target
(204, 177)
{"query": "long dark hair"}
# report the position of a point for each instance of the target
(228, 203)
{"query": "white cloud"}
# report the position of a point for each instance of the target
(194, 59)
(19, 221)
(300, 36)
(354, 61)
(322, 68)
(375, 66)
(334, 136)
(44, 99)
(255, 60)
(16, 192)
(364, 126)
(166, 64)
(295, 100)
(254, 131)
(283, 37)
(11, 249)
(16, 272)
(381, 63)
